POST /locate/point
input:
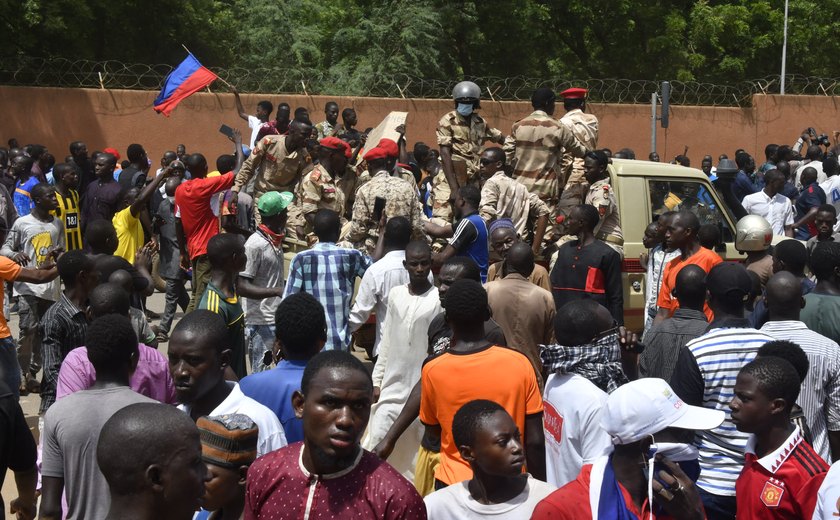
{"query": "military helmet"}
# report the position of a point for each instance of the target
(466, 90)
(753, 233)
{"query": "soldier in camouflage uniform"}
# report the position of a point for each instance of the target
(602, 196)
(537, 145)
(585, 129)
(320, 188)
(400, 201)
(460, 135)
(503, 197)
(279, 161)
(327, 127)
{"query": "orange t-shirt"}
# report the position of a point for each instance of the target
(452, 379)
(9, 272)
(705, 258)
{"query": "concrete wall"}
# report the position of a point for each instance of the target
(116, 118)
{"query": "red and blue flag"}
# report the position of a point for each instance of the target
(186, 79)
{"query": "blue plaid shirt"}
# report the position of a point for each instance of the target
(329, 273)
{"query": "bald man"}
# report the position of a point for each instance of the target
(523, 310)
(664, 340)
(162, 477)
(820, 394)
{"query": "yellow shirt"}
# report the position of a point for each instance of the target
(68, 212)
(129, 234)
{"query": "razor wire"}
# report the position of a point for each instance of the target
(111, 74)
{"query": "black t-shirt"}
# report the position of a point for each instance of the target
(131, 177)
(17, 446)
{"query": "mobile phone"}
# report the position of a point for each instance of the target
(226, 130)
(378, 208)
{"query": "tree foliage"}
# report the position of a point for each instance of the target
(352, 40)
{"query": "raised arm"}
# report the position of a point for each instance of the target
(239, 108)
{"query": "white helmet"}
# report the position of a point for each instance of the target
(466, 90)
(753, 233)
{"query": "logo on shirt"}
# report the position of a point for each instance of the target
(553, 422)
(41, 243)
(771, 495)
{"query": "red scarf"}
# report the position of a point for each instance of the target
(275, 238)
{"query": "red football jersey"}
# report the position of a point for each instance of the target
(782, 484)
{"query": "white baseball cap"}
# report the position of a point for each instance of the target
(647, 406)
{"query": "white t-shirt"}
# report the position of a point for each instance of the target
(265, 269)
(831, 187)
(817, 165)
(455, 503)
(828, 499)
(572, 425)
(777, 210)
(254, 124)
(271, 434)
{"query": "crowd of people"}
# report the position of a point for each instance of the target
(447, 342)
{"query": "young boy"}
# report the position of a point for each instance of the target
(226, 253)
(29, 243)
(170, 265)
(228, 447)
(782, 473)
(127, 219)
(489, 440)
(825, 222)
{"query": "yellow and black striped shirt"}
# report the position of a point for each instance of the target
(68, 210)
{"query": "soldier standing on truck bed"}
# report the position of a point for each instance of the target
(585, 129)
(602, 196)
(537, 144)
(460, 135)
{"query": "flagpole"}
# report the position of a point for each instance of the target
(217, 76)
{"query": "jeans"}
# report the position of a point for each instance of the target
(31, 310)
(200, 279)
(260, 339)
(718, 507)
(9, 367)
(176, 296)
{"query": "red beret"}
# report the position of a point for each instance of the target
(113, 152)
(376, 153)
(390, 147)
(574, 93)
(334, 143)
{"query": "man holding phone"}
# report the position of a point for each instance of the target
(400, 200)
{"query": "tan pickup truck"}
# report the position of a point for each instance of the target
(646, 189)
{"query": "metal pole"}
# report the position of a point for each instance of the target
(653, 122)
(784, 50)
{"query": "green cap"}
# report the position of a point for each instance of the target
(274, 202)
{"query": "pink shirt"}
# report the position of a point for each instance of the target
(151, 377)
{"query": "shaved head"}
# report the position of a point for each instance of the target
(784, 296)
(690, 287)
(520, 259)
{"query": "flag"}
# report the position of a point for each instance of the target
(186, 79)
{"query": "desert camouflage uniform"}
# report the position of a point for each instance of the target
(319, 190)
(323, 129)
(277, 170)
(601, 196)
(465, 139)
(400, 201)
(534, 149)
(585, 128)
(503, 197)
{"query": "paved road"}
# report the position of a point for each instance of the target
(31, 402)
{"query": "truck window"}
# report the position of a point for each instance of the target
(688, 195)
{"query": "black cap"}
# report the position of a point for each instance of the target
(728, 278)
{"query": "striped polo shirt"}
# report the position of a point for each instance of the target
(820, 395)
(720, 355)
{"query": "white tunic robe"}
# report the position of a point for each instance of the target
(402, 351)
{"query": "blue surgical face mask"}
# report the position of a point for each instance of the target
(465, 109)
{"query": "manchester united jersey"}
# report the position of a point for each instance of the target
(782, 484)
